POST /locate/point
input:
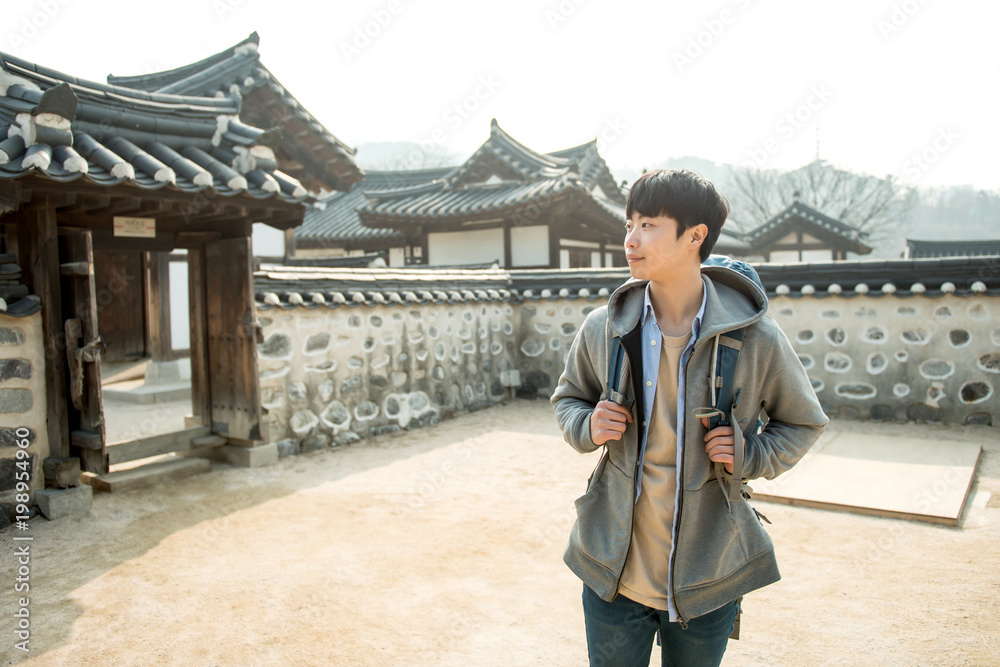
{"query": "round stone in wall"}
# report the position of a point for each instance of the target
(975, 391)
(915, 337)
(807, 361)
(532, 347)
(989, 362)
(805, 336)
(836, 362)
(569, 329)
(875, 334)
(836, 336)
(366, 411)
(899, 390)
(978, 312)
(877, 362)
(937, 369)
(856, 390)
(959, 338)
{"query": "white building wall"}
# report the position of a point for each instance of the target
(472, 247)
(529, 246)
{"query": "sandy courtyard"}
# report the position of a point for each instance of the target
(442, 546)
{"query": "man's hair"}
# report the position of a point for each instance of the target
(682, 195)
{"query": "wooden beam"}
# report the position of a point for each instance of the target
(133, 450)
(39, 260)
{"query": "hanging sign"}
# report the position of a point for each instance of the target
(144, 227)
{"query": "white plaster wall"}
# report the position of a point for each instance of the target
(529, 246)
(471, 247)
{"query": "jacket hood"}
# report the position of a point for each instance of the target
(732, 301)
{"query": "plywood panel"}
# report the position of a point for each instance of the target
(928, 480)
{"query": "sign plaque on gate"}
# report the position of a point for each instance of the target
(141, 227)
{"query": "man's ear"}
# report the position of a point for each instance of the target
(698, 234)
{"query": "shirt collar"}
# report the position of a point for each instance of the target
(647, 309)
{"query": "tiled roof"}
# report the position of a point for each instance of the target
(66, 128)
(335, 219)
(327, 162)
(979, 248)
(534, 178)
(823, 224)
(287, 287)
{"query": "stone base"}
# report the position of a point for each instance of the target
(57, 503)
(62, 473)
(251, 457)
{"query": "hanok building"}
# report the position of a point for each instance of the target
(98, 184)
(507, 204)
(800, 233)
(916, 249)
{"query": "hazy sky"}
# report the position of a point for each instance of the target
(896, 87)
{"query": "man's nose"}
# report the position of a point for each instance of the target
(630, 240)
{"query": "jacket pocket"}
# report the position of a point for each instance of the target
(712, 538)
(604, 518)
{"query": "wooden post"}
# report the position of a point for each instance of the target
(82, 295)
(158, 343)
(506, 246)
(201, 397)
(39, 258)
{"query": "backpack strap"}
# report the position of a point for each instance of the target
(619, 374)
(725, 356)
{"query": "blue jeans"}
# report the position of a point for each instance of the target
(620, 634)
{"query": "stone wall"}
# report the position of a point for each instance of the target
(899, 358)
(22, 403)
(334, 374)
(349, 354)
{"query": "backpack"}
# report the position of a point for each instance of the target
(725, 355)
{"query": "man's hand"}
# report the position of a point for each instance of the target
(607, 422)
(719, 443)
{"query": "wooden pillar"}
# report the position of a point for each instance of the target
(201, 397)
(158, 343)
(38, 248)
(506, 247)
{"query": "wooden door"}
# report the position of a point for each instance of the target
(121, 303)
(83, 350)
(233, 334)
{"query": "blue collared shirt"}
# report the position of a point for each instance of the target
(652, 338)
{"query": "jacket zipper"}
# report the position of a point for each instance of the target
(627, 361)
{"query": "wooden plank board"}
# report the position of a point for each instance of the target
(232, 339)
(926, 480)
(177, 441)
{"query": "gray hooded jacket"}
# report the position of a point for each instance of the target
(721, 549)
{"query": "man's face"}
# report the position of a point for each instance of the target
(652, 248)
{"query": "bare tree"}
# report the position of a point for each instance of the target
(878, 206)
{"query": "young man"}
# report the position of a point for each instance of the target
(658, 542)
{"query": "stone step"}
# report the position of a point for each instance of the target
(151, 474)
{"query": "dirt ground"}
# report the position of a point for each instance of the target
(442, 546)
